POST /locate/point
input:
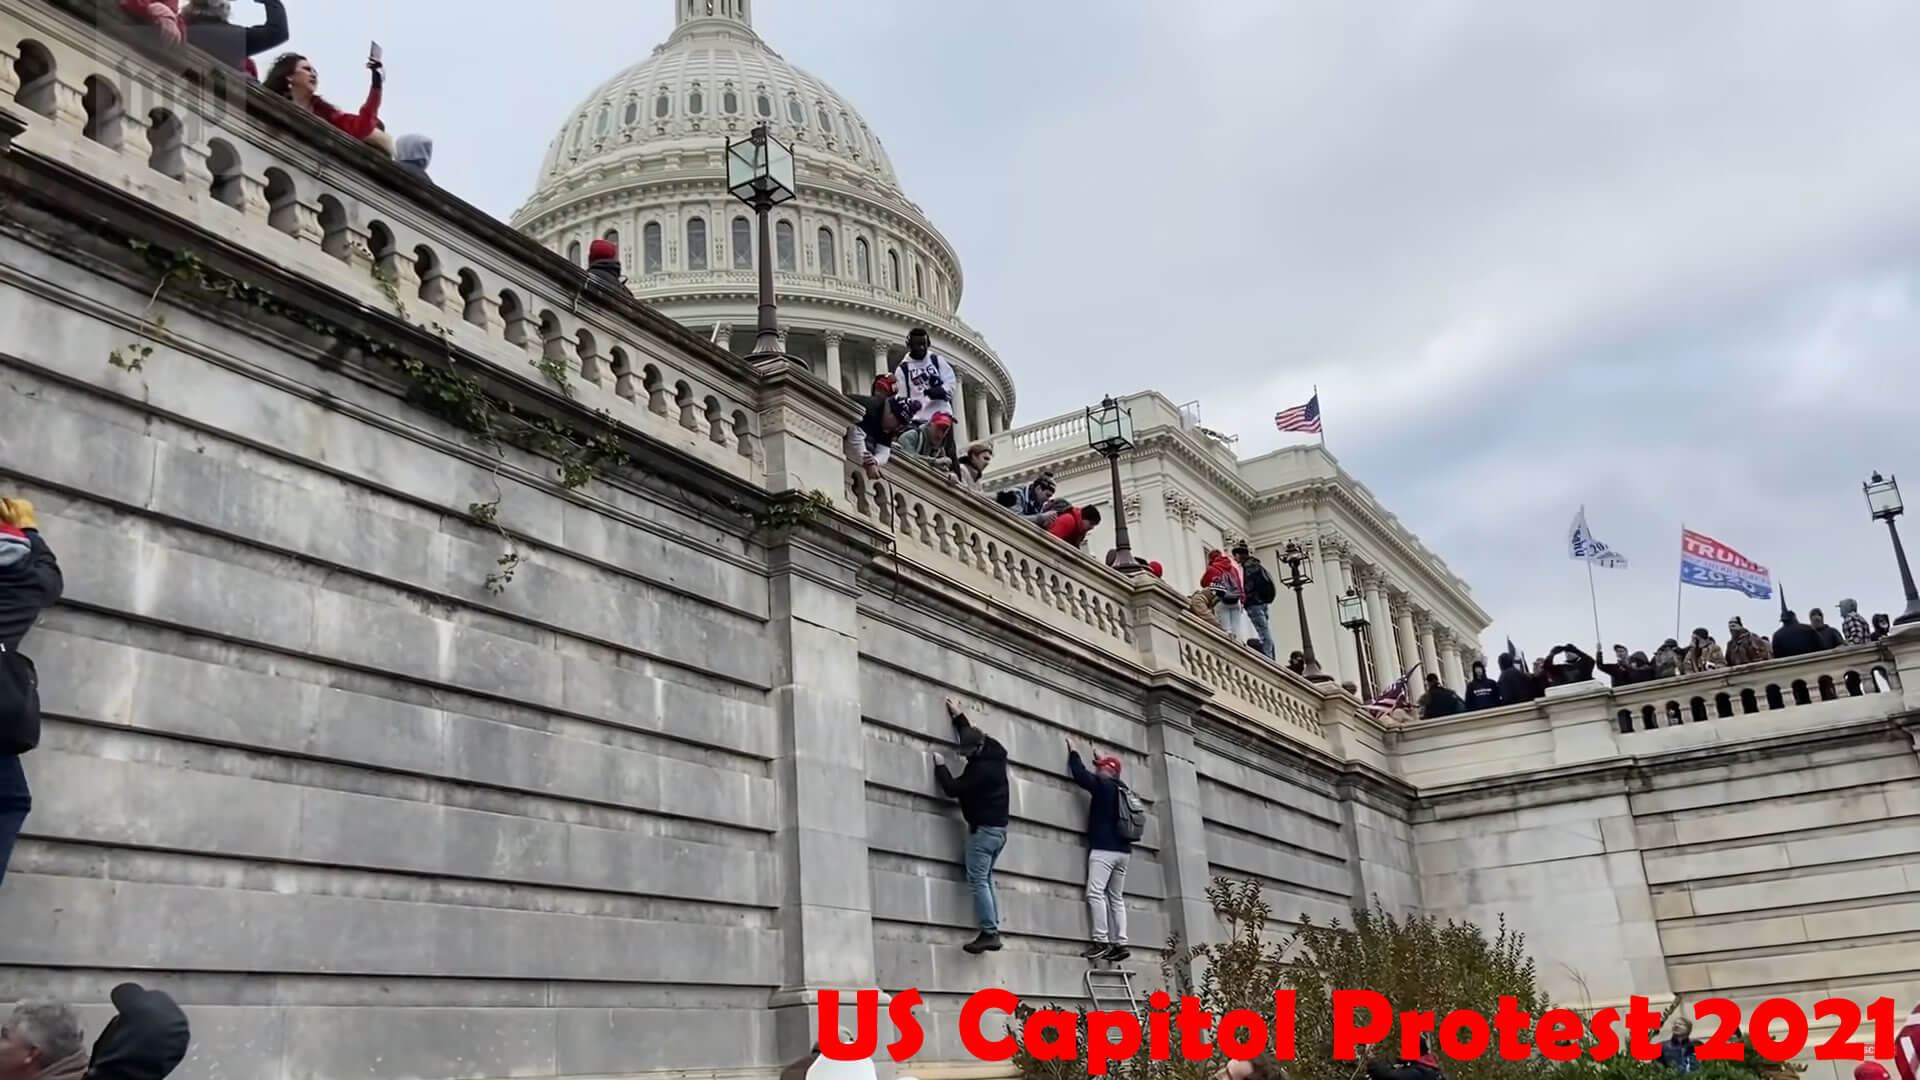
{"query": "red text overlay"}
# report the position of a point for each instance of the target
(1361, 1019)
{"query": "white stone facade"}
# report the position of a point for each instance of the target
(857, 264)
(1187, 492)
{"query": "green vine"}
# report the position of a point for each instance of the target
(554, 369)
(441, 387)
(137, 352)
(791, 509)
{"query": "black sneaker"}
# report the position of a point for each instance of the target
(1095, 951)
(1118, 952)
(986, 942)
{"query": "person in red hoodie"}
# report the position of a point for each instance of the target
(1222, 578)
(293, 77)
(162, 15)
(1074, 524)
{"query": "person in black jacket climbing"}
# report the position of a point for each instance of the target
(1108, 855)
(30, 582)
(981, 789)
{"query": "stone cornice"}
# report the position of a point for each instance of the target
(1324, 491)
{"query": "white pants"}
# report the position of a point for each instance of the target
(1234, 621)
(1106, 895)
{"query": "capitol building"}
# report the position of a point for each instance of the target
(641, 162)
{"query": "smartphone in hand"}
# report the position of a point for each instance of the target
(373, 53)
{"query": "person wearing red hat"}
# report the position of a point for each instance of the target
(1870, 1070)
(932, 442)
(603, 262)
(1110, 850)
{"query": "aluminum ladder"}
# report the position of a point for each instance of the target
(1111, 990)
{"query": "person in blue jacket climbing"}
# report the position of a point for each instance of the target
(1109, 850)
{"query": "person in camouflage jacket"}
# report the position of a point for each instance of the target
(1744, 646)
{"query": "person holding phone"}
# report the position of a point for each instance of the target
(295, 78)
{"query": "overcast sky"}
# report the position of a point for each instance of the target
(1660, 259)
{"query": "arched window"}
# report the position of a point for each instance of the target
(730, 102)
(579, 131)
(853, 132)
(763, 105)
(573, 253)
(829, 265)
(662, 105)
(820, 114)
(742, 244)
(893, 269)
(783, 245)
(633, 113)
(652, 260)
(696, 101)
(919, 283)
(696, 243)
(863, 261)
(604, 122)
(612, 236)
(795, 113)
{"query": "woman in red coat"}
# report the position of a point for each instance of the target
(1074, 525)
(294, 78)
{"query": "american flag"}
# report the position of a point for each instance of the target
(1906, 1047)
(1301, 417)
(1395, 696)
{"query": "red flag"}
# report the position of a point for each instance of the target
(1906, 1047)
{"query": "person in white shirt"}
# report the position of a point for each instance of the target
(925, 379)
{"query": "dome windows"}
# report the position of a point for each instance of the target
(783, 245)
(662, 105)
(763, 105)
(826, 121)
(730, 102)
(893, 269)
(696, 243)
(796, 113)
(696, 101)
(652, 260)
(919, 283)
(612, 236)
(829, 265)
(579, 131)
(863, 260)
(742, 244)
(604, 122)
(573, 253)
(632, 114)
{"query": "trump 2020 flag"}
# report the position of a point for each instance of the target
(1710, 564)
(1582, 545)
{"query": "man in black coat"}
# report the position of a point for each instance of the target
(1794, 638)
(1516, 686)
(1439, 700)
(210, 31)
(981, 789)
(1482, 692)
(30, 582)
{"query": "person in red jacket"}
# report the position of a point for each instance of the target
(293, 77)
(1073, 525)
(1223, 579)
(162, 15)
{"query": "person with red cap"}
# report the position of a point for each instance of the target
(932, 442)
(603, 263)
(1870, 1070)
(1110, 850)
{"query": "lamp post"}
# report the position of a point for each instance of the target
(1883, 499)
(1353, 616)
(760, 174)
(1110, 433)
(1298, 578)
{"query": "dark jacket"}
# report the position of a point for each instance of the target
(1794, 639)
(1826, 637)
(1260, 586)
(1678, 1054)
(234, 45)
(1103, 809)
(981, 787)
(146, 1041)
(1482, 693)
(28, 585)
(605, 270)
(1442, 701)
(1516, 686)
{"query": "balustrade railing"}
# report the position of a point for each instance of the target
(196, 144)
(1247, 679)
(1731, 693)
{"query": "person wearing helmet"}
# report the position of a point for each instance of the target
(1108, 855)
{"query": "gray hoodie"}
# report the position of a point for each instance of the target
(414, 153)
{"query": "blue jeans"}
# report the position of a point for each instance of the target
(1257, 613)
(15, 801)
(983, 847)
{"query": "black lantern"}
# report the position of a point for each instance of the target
(1883, 502)
(1299, 576)
(1110, 434)
(760, 174)
(1353, 616)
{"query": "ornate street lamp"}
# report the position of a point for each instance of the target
(1883, 500)
(1353, 616)
(1110, 433)
(760, 174)
(1298, 578)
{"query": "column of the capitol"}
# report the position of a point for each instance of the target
(1450, 670)
(1386, 663)
(1337, 656)
(832, 374)
(1409, 642)
(1429, 648)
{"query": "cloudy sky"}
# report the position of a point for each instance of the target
(1660, 259)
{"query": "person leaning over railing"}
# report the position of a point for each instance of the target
(295, 78)
(870, 439)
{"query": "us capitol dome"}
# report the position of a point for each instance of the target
(641, 162)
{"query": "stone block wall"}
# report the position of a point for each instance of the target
(1274, 823)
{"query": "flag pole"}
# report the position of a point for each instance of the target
(1323, 416)
(1679, 583)
(1595, 598)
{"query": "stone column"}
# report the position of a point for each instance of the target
(1380, 626)
(1179, 828)
(1339, 651)
(825, 915)
(833, 339)
(1450, 670)
(1429, 649)
(995, 422)
(1409, 644)
(960, 424)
